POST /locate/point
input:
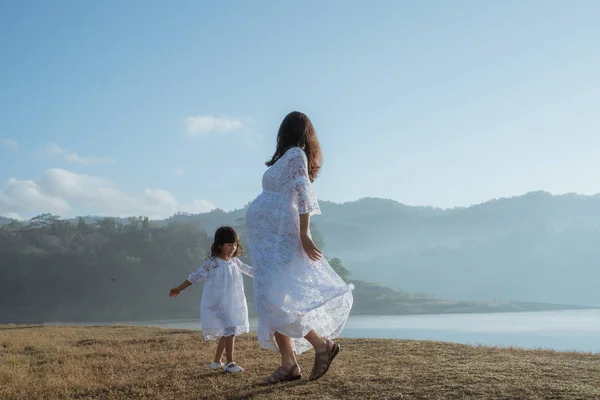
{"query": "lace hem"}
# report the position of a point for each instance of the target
(217, 333)
(328, 320)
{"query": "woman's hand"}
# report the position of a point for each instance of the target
(174, 292)
(309, 247)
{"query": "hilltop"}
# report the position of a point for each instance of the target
(122, 362)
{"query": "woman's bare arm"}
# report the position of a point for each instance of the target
(307, 243)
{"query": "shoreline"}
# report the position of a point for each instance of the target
(192, 319)
(563, 330)
(550, 308)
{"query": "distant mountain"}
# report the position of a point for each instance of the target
(533, 248)
(57, 270)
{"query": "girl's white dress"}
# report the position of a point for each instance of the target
(223, 310)
(293, 294)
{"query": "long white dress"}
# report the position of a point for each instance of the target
(293, 294)
(223, 310)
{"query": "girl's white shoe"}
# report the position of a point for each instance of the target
(215, 366)
(232, 368)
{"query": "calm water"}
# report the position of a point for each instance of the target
(559, 330)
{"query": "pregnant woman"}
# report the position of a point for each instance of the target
(301, 301)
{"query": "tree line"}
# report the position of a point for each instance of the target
(62, 270)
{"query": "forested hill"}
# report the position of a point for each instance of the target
(536, 247)
(59, 270)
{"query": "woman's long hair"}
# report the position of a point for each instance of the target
(296, 130)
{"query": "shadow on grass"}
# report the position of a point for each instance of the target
(258, 389)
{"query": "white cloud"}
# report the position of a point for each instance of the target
(158, 203)
(55, 150)
(198, 206)
(204, 125)
(9, 144)
(59, 191)
(12, 216)
(160, 196)
(179, 171)
(19, 196)
(85, 190)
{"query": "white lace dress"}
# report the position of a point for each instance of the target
(293, 294)
(223, 310)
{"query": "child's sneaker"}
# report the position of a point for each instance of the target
(232, 368)
(215, 366)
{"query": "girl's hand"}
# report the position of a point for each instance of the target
(309, 247)
(174, 292)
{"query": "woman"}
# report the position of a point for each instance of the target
(301, 301)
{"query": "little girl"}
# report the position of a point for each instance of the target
(223, 311)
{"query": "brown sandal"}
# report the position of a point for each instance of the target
(323, 361)
(282, 375)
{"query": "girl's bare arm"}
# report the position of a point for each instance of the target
(175, 291)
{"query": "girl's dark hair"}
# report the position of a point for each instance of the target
(296, 130)
(224, 235)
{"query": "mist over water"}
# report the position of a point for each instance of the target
(557, 330)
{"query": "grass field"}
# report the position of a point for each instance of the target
(122, 362)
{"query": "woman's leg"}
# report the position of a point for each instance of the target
(288, 358)
(289, 370)
(325, 351)
(229, 343)
(220, 349)
(317, 341)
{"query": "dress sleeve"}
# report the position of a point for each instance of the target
(244, 269)
(302, 191)
(203, 272)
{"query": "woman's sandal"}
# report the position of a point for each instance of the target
(323, 360)
(282, 375)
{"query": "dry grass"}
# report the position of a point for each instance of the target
(123, 362)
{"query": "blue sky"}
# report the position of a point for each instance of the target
(149, 107)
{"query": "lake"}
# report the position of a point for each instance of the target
(559, 330)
